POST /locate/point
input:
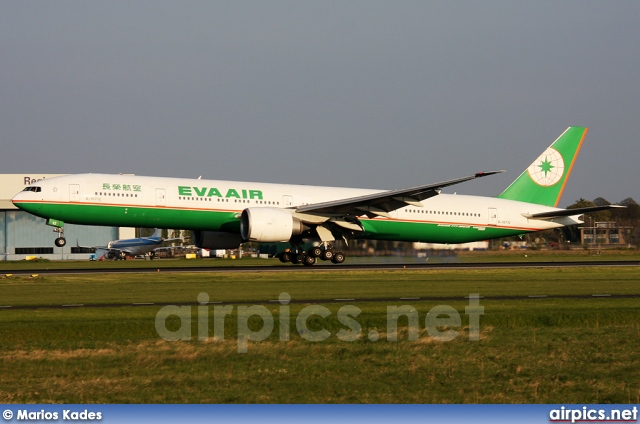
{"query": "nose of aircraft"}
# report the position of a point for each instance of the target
(18, 198)
(25, 201)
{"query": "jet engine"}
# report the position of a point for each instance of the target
(216, 240)
(269, 225)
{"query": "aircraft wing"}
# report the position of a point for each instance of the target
(91, 247)
(569, 212)
(380, 204)
(127, 251)
(105, 249)
(112, 250)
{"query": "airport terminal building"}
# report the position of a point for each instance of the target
(24, 235)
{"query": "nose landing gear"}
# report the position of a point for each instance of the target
(58, 227)
(60, 241)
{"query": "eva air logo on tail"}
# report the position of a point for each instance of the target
(548, 169)
(543, 181)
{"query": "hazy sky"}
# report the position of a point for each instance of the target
(374, 94)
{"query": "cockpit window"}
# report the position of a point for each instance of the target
(32, 188)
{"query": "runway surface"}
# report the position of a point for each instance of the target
(322, 267)
(327, 268)
(390, 300)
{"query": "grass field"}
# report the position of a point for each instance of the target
(531, 350)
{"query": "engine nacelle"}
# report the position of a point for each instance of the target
(269, 225)
(216, 240)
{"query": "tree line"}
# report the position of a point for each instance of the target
(622, 217)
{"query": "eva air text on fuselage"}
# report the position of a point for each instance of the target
(214, 192)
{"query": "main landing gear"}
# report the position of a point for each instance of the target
(311, 256)
(116, 255)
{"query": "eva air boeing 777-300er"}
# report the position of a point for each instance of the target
(224, 214)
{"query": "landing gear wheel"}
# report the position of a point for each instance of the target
(338, 258)
(152, 255)
(123, 256)
(309, 260)
(60, 242)
(327, 255)
(297, 258)
(285, 257)
(315, 252)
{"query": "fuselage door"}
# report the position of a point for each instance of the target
(493, 216)
(161, 197)
(74, 192)
(287, 201)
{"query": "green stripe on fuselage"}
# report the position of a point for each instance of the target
(393, 230)
(212, 220)
(134, 216)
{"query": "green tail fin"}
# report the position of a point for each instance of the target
(543, 182)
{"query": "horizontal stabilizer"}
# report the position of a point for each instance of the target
(569, 212)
